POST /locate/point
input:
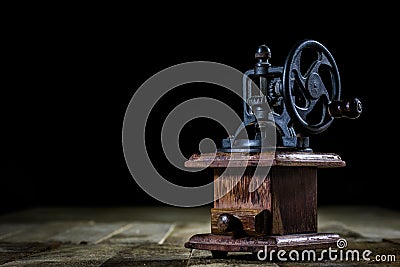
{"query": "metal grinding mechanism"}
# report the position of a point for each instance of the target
(301, 98)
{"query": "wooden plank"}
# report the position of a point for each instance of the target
(278, 158)
(240, 197)
(237, 261)
(92, 233)
(183, 231)
(392, 240)
(294, 200)
(13, 251)
(150, 255)
(42, 232)
(10, 229)
(371, 222)
(143, 232)
(202, 258)
(70, 255)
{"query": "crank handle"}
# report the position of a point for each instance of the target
(350, 108)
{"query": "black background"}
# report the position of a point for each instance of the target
(69, 78)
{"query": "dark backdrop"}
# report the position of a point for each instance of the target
(70, 79)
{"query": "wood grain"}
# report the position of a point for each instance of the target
(277, 158)
(288, 195)
(294, 200)
(240, 197)
(254, 222)
(370, 227)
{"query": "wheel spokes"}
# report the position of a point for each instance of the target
(315, 114)
(296, 78)
(314, 67)
(312, 70)
(311, 82)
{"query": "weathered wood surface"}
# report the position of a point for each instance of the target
(294, 200)
(240, 196)
(277, 158)
(134, 236)
(287, 195)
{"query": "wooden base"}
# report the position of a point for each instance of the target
(225, 243)
(280, 214)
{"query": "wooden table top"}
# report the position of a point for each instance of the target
(155, 236)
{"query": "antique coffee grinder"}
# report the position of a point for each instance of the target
(297, 100)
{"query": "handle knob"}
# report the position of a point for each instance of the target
(350, 108)
(263, 54)
(229, 223)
